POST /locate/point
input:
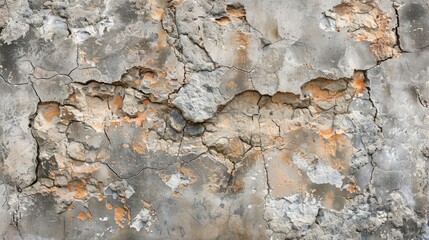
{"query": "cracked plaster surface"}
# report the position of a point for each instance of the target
(203, 119)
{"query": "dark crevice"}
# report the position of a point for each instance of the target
(396, 29)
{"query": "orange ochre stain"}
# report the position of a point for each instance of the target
(359, 82)
(235, 11)
(138, 120)
(70, 207)
(329, 199)
(242, 39)
(81, 215)
(157, 13)
(351, 188)
(237, 186)
(100, 197)
(49, 112)
(334, 144)
(109, 205)
(147, 204)
(361, 37)
(139, 147)
(326, 133)
(89, 215)
(188, 173)
(285, 158)
(176, 194)
(122, 215)
(318, 93)
(79, 189)
(116, 104)
(231, 84)
(162, 38)
(223, 21)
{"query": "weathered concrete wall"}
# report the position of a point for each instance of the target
(210, 119)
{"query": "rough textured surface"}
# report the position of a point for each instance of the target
(204, 119)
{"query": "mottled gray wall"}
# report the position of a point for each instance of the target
(214, 119)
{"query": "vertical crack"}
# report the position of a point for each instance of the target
(265, 162)
(375, 117)
(398, 43)
(375, 120)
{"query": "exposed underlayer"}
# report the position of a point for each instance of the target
(206, 119)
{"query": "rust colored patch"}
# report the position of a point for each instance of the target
(241, 59)
(188, 173)
(359, 82)
(223, 21)
(329, 199)
(165, 178)
(162, 38)
(137, 81)
(109, 205)
(236, 10)
(79, 189)
(317, 92)
(81, 215)
(70, 207)
(89, 215)
(237, 186)
(285, 158)
(361, 38)
(310, 146)
(331, 147)
(365, 21)
(157, 13)
(285, 179)
(176, 194)
(231, 84)
(330, 196)
(49, 112)
(139, 120)
(122, 216)
(147, 204)
(100, 197)
(242, 39)
(146, 102)
(351, 188)
(116, 104)
(139, 147)
(326, 133)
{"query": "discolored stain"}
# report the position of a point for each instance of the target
(109, 205)
(82, 216)
(223, 21)
(236, 10)
(49, 112)
(122, 216)
(79, 189)
(366, 21)
(359, 82)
